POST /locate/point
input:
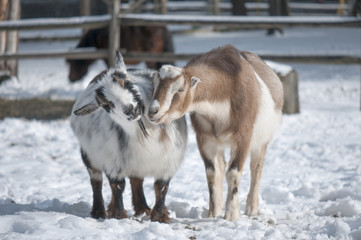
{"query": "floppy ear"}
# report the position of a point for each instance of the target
(119, 63)
(87, 109)
(102, 100)
(194, 81)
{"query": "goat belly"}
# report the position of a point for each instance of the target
(132, 158)
(153, 159)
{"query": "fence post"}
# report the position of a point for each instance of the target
(85, 10)
(10, 10)
(114, 32)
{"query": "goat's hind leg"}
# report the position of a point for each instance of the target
(96, 181)
(159, 212)
(257, 162)
(234, 174)
(116, 206)
(138, 199)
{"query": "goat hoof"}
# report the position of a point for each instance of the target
(161, 217)
(145, 210)
(117, 214)
(98, 213)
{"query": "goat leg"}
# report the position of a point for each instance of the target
(116, 206)
(159, 212)
(138, 199)
(96, 181)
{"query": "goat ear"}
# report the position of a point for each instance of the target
(194, 81)
(103, 101)
(87, 109)
(119, 63)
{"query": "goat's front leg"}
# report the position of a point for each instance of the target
(116, 206)
(160, 212)
(96, 181)
(139, 202)
(214, 163)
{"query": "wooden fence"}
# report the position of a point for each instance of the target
(241, 22)
(115, 19)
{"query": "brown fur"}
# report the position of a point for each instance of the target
(116, 206)
(98, 210)
(226, 78)
(268, 76)
(160, 212)
(163, 136)
(225, 59)
(138, 198)
(243, 98)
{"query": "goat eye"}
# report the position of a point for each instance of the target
(181, 90)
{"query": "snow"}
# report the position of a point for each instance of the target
(311, 183)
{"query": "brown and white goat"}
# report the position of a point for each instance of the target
(235, 100)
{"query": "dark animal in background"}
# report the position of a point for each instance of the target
(153, 39)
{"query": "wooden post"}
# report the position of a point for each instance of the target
(85, 10)
(3, 16)
(114, 32)
(278, 8)
(163, 7)
(10, 10)
(214, 7)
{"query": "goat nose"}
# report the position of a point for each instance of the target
(154, 107)
(153, 111)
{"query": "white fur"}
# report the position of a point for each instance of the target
(268, 120)
(141, 156)
(173, 88)
(219, 112)
(215, 153)
(232, 203)
(169, 71)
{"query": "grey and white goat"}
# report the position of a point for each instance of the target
(117, 138)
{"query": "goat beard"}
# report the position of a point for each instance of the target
(142, 128)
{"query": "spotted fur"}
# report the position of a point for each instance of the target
(116, 138)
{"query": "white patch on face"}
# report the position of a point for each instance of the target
(155, 83)
(154, 104)
(120, 97)
(169, 71)
(166, 104)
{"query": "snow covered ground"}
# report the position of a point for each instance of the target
(311, 184)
